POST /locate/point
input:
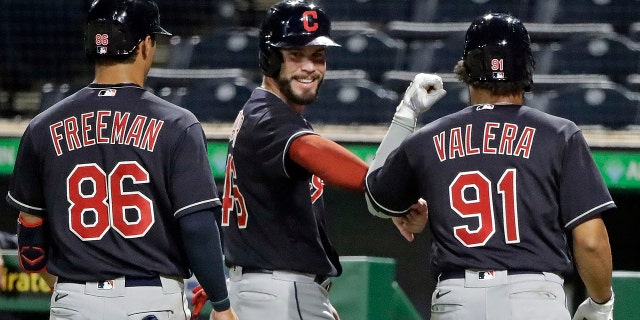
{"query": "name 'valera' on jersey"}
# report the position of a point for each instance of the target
(102, 128)
(497, 138)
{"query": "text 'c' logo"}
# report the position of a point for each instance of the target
(308, 18)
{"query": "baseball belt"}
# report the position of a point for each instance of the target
(129, 281)
(322, 280)
(459, 274)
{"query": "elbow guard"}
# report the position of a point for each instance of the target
(32, 246)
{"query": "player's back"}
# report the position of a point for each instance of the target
(493, 177)
(106, 158)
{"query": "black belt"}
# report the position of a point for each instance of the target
(459, 274)
(319, 279)
(129, 281)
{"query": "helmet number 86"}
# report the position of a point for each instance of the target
(102, 39)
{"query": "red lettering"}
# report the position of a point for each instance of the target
(135, 132)
(151, 135)
(56, 137)
(467, 142)
(438, 141)
(316, 187)
(86, 127)
(119, 127)
(455, 144)
(100, 125)
(71, 133)
(509, 133)
(488, 136)
(525, 143)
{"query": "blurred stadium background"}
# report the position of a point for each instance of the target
(588, 70)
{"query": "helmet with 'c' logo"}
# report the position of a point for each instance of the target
(291, 24)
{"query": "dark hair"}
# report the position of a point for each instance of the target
(496, 88)
(117, 59)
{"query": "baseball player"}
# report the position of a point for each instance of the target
(114, 188)
(273, 217)
(506, 185)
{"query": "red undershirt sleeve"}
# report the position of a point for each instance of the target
(330, 161)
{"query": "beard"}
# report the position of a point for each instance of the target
(303, 99)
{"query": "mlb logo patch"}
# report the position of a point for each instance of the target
(107, 93)
(106, 285)
(101, 50)
(486, 275)
(498, 75)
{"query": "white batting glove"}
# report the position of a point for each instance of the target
(423, 92)
(590, 310)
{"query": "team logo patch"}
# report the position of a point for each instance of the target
(107, 93)
(105, 285)
(101, 50)
(498, 75)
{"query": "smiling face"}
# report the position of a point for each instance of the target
(301, 74)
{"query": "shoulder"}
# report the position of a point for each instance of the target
(265, 109)
(168, 111)
(550, 122)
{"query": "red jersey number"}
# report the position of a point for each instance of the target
(480, 206)
(232, 199)
(92, 213)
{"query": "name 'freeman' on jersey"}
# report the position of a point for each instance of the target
(497, 138)
(101, 127)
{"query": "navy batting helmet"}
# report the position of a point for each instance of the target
(498, 49)
(291, 24)
(116, 27)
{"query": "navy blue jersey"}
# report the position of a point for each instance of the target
(503, 186)
(273, 212)
(110, 169)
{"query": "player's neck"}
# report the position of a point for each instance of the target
(119, 73)
(481, 96)
(134, 72)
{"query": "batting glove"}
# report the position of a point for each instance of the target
(198, 300)
(423, 92)
(590, 310)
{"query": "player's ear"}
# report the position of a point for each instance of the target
(146, 46)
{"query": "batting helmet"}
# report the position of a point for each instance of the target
(291, 24)
(116, 27)
(498, 49)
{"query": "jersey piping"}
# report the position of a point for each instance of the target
(23, 204)
(195, 204)
(587, 212)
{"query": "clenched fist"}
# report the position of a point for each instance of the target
(423, 92)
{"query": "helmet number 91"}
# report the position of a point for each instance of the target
(102, 39)
(497, 64)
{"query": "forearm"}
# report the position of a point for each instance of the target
(201, 240)
(592, 253)
(401, 127)
(49, 278)
(333, 163)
